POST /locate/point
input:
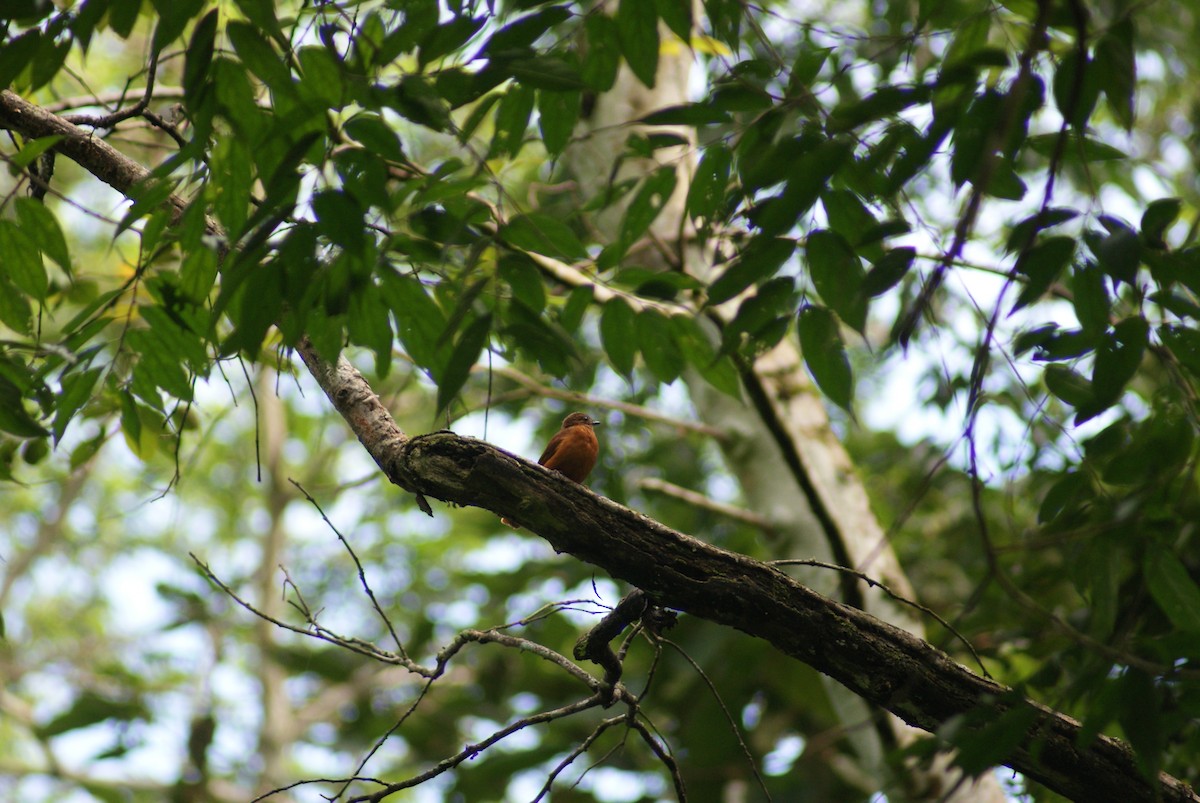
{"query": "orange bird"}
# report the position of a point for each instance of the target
(572, 451)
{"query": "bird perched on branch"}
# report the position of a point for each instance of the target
(572, 451)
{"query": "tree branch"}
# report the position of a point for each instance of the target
(881, 663)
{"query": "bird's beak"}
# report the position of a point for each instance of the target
(597, 423)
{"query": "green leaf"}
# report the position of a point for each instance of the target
(809, 175)
(1172, 588)
(32, 149)
(520, 34)
(618, 336)
(1116, 69)
(1078, 148)
(677, 14)
(90, 708)
(706, 195)
(761, 257)
(15, 312)
(690, 114)
(466, 352)
(651, 197)
(1118, 358)
(512, 119)
(1042, 265)
(1076, 89)
(558, 112)
(602, 57)
(578, 302)
(376, 135)
(1120, 253)
(837, 274)
(76, 390)
(1093, 307)
(448, 37)
(199, 57)
(656, 340)
(13, 417)
(825, 354)
(719, 371)
(1023, 233)
(367, 325)
(1157, 218)
(21, 261)
(523, 279)
(543, 234)
(885, 102)
(42, 227)
(321, 77)
(259, 55)
(637, 31)
(1069, 386)
(888, 271)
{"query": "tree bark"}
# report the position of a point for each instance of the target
(881, 663)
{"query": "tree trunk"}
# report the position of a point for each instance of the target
(782, 446)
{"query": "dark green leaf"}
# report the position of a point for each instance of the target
(805, 181)
(1069, 386)
(1042, 265)
(1078, 148)
(34, 148)
(1184, 343)
(656, 340)
(523, 32)
(512, 118)
(558, 112)
(761, 257)
(76, 390)
(888, 271)
(825, 354)
(1118, 254)
(602, 56)
(258, 55)
(618, 335)
(651, 197)
(419, 320)
(448, 37)
(677, 14)
(15, 312)
(637, 31)
(1118, 358)
(691, 114)
(1157, 218)
(321, 77)
(885, 102)
(544, 72)
(367, 325)
(90, 708)
(464, 356)
(21, 261)
(1076, 89)
(42, 227)
(1116, 69)
(1172, 588)
(837, 274)
(14, 419)
(697, 347)
(577, 304)
(523, 279)
(543, 234)
(1024, 233)
(706, 195)
(1093, 307)
(376, 135)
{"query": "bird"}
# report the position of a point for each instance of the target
(572, 451)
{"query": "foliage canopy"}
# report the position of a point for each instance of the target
(996, 203)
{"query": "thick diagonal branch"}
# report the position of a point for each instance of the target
(883, 664)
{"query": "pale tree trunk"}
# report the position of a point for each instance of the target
(782, 448)
(278, 727)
